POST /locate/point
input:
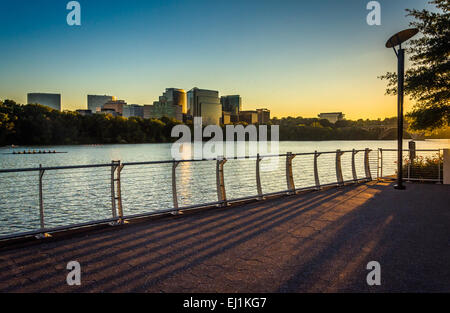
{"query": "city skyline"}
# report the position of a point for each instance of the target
(112, 100)
(298, 59)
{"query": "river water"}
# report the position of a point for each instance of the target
(81, 195)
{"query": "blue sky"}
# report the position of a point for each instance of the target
(293, 57)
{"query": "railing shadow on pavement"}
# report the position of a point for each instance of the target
(225, 235)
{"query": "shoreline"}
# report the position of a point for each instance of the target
(161, 143)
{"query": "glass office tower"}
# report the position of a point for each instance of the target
(96, 102)
(52, 100)
(206, 104)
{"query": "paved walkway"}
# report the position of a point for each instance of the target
(315, 242)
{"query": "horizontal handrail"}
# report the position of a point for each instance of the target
(412, 149)
(66, 167)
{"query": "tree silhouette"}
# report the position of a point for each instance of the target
(427, 81)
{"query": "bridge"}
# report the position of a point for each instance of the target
(389, 131)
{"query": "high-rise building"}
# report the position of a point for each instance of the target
(232, 104)
(171, 104)
(263, 116)
(131, 110)
(96, 102)
(52, 100)
(175, 96)
(206, 104)
(116, 105)
(161, 108)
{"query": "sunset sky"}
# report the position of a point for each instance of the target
(295, 58)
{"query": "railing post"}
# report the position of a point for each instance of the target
(174, 184)
(339, 177)
(41, 206)
(258, 178)
(221, 195)
(41, 198)
(366, 164)
(409, 169)
(446, 166)
(355, 176)
(316, 170)
(289, 175)
(119, 193)
(113, 193)
(116, 192)
(439, 166)
(381, 161)
(378, 164)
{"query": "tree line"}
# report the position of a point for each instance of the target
(34, 124)
(299, 128)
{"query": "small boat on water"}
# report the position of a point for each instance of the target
(36, 152)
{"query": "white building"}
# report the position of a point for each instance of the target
(332, 117)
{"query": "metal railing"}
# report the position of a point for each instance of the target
(418, 164)
(170, 186)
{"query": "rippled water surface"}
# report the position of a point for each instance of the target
(81, 195)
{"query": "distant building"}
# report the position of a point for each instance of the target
(133, 110)
(171, 104)
(250, 117)
(148, 111)
(175, 96)
(51, 100)
(206, 104)
(84, 112)
(232, 104)
(96, 102)
(161, 108)
(258, 116)
(263, 116)
(116, 105)
(332, 117)
(106, 111)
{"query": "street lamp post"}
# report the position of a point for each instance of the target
(395, 40)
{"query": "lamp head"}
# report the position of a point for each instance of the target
(401, 37)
